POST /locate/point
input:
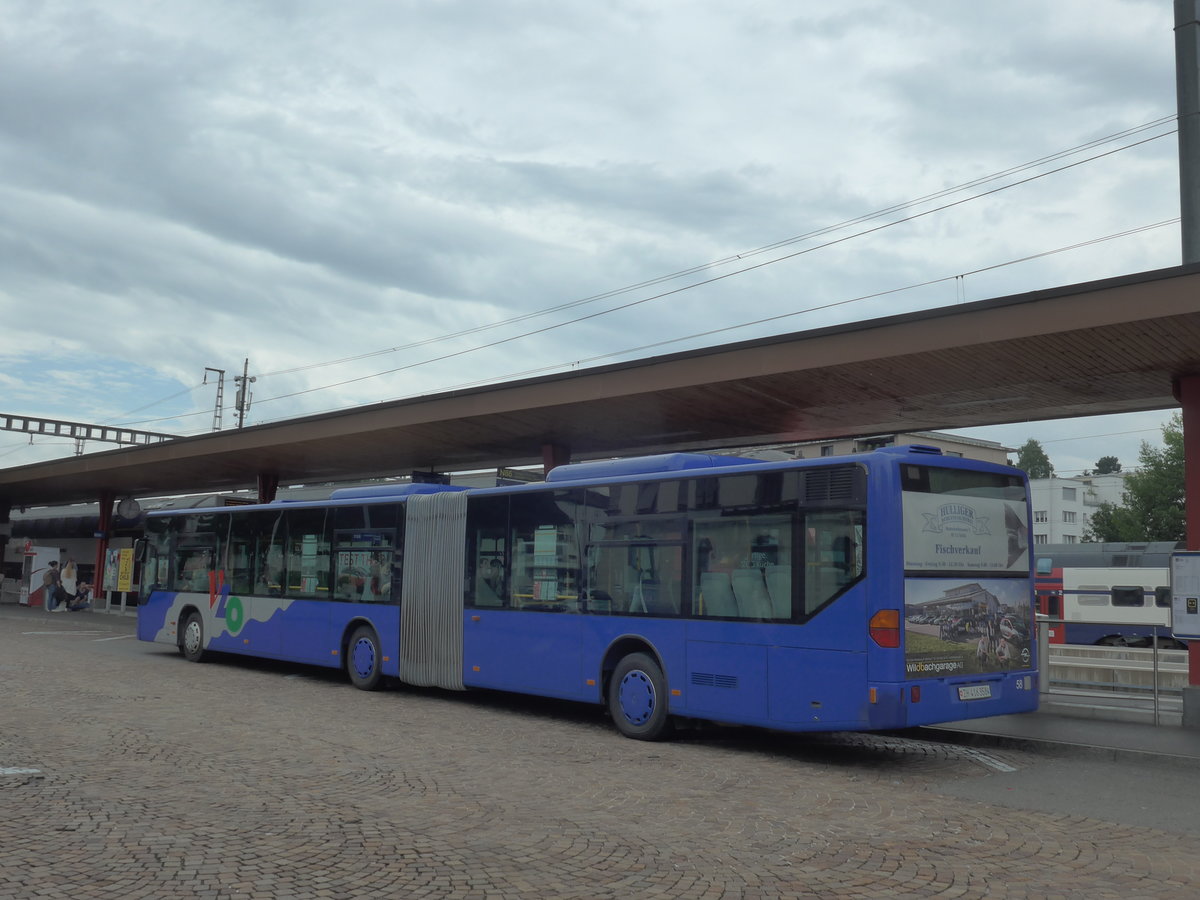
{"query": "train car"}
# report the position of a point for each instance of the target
(1113, 594)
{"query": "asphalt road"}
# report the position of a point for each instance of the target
(126, 772)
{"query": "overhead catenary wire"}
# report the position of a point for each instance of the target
(682, 273)
(715, 331)
(769, 319)
(687, 287)
(742, 270)
(169, 397)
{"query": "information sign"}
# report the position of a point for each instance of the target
(1185, 594)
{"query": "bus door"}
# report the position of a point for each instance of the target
(524, 631)
(304, 618)
(253, 593)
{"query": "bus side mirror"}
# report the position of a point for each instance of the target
(140, 546)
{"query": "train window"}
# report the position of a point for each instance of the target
(1123, 595)
(1045, 565)
(1092, 595)
(1162, 596)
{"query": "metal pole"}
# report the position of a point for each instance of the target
(1154, 650)
(243, 394)
(1043, 656)
(1187, 94)
(1187, 392)
(220, 395)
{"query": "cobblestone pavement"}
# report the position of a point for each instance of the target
(158, 778)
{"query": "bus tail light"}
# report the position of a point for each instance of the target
(885, 628)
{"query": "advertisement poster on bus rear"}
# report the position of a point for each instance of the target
(949, 532)
(958, 626)
(966, 620)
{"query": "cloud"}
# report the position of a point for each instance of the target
(189, 187)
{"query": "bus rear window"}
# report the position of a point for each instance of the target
(963, 482)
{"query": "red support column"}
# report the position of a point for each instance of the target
(107, 499)
(554, 455)
(1187, 392)
(268, 487)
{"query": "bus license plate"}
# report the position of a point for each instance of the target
(975, 692)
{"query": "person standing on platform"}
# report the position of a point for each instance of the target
(70, 577)
(51, 586)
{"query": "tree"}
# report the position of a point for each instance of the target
(1154, 495)
(1033, 459)
(1113, 523)
(1107, 465)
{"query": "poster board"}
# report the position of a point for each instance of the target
(118, 569)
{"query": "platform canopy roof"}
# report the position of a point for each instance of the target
(1101, 347)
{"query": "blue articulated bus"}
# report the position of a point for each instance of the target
(878, 591)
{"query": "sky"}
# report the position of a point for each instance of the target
(364, 201)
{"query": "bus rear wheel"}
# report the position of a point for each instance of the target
(364, 659)
(637, 698)
(191, 638)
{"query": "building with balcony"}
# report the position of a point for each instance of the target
(1063, 507)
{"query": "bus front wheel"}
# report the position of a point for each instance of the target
(637, 698)
(191, 638)
(364, 659)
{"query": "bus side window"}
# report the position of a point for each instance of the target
(308, 562)
(489, 574)
(546, 566)
(363, 570)
(487, 552)
(156, 569)
(200, 542)
(192, 566)
(743, 566)
(642, 575)
(249, 542)
(833, 555)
